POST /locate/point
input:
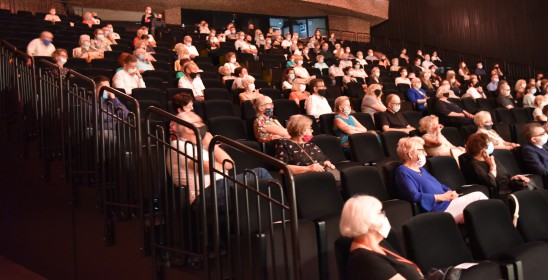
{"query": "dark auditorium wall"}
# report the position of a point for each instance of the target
(508, 29)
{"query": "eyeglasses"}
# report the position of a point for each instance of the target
(269, 104)
(544, 133)
(395, 103)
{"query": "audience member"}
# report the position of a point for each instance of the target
(415, 184)
(157, 24)
(146, 19)
(464, 72)
(520, 86)
(474, 90)
(402, 79)
(231, 62)
(364, 220)
(535, 152)
(392, 119)
(143, 63)
(539, 103)
(129, 78)
(41, 46)
(182, 102)
(192, 81)
(505, 99)
(299, 92)
(265, 127)
(358, 71)
(60, 57)
(374, 78)
(288, 78)
(480, 72)
(344, 124)
(250, 93)
(317, 104)
(435, 143)
(240, 73)
(451, 113)
(372, 100)
(417, 95)
(320, 63)
(529, 96)
(192, 51)
(51, 16)
(485, 125)
(301, 155)
(404, 56)
(493, 84)
(110, 103)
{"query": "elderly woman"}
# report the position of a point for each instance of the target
(250, 92)
(452, 114)
(372, 101)
(415, 184)
(344, 124)
(363, 220)
(538, 113)
(446, 87)
(59, 57)
(100, 42)
(435, 143)
(143, 62)
(485, 125)
(86, 51)
(320, 63)
(299, 92)
(482, 167)
(520, 86)
(265, 127)
(358, 71)
(301, 155)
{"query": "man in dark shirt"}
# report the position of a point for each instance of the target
(327, 54)
(534, 153)
(392, 119)
(505, 98)
(417, 68)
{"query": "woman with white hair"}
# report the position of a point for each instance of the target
(363, 220)
(416, 185)
(265, 127)
(485, 125)
(86, 51)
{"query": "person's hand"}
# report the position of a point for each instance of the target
(453, 195)
(522, 178)
(328, 164)
(490, 160)
(111, 95)
(316, 167)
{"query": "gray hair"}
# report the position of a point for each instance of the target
(360, 215)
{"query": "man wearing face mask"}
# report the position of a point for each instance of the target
(417, 95)
(494, 84)
(192, 81)
(505, 98)
(480, 72)
(129, 78)
(41, 46)
(60, 57)
(392, 119)
(416, 185)
(109, 103)
(192, 51)
(86, 51)
(535, 153)
(317, 104)
(474, 90)
(185, 149)
(143, 62)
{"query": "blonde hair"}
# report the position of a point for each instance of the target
(247, 80)
(407, 147)
(480, 116)
(426, 122)
(372, 88)
(339, 101)
(297, 124)
(360, 215)
(519, 83)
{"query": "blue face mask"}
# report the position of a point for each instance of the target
(490, 148)
(105, 95)
(46, 42)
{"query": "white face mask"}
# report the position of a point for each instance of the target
(396, 108)
(87, 45)
(302, 87)
(63, 60)
(101, 37)
(251, 87)
(421, 161)
(131, 70)
(347, 111)
(299, 62)
(233, 60)
(385, 227)
(543, 139)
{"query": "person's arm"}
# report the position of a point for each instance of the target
(408, 188)
(430, 142)
(276, 129)
(311, 107)
(533, 159)
(379, 107)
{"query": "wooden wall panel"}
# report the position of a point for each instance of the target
(505, 29)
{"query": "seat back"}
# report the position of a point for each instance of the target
(216, 94)
(469, 105)
(317, 195)
(352, 182)
(435, 234)
(490, 228)
(533, 215)
(330, 146)
(389, 175)
(390, 141)
(326, 124)
(506, 159)
(231, 127)
(504, 115)
(453, 135)
(284, 108)
(413, 117)
(522, 115)
(365, 148)
(446, 170)
(218, 108)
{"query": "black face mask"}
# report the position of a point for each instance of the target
(488, 127)
(322, 92)
(193, 75)
(446, 94)
(378, 92)
(202, 130)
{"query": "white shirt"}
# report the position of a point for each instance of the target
(231, 66)
(427, 63)
(239, 44)
(473, 93)
(37, 48)
(316, 105)
(400, 80)
(301, 72)
(335, 71)
(192, 50)
(286, 43)
(122, 79)
(196, 85)
(177, 168)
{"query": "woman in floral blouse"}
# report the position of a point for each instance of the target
(265, 127)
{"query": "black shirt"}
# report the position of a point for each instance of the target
(368, 265)
(393, 120)
(477, 172)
